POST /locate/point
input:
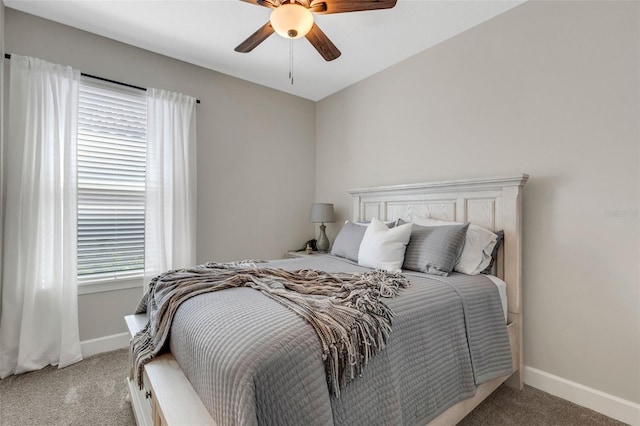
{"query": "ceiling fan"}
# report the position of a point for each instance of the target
(294, 19)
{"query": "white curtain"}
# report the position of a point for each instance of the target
(170, 211)
(39, 321)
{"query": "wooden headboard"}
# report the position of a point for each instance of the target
(493, 203)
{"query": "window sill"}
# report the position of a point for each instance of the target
(110, 285)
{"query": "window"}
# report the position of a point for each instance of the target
(112, 122)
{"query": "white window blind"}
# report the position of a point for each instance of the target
(112, 135)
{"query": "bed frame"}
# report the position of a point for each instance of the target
(495, 203)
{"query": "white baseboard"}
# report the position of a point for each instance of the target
(607, 404)
(104, 344)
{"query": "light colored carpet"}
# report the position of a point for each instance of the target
(532, 407)
(92, 392)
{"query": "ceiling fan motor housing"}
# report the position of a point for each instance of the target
(291, 20)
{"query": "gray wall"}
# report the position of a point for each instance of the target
(550, 89)
(255, 170)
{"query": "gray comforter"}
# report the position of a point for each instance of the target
(253, 361)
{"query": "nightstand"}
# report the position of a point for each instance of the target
(292, 254)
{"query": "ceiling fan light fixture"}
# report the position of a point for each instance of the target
(291, 20)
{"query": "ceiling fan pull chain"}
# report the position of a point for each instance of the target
(291, 60)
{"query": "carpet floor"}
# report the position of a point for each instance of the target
(92, 392)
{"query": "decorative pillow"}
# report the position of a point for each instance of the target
(391, 224)
(478, 245)
(434, 249)
(347, 242)
(494, 254)
(383, 248)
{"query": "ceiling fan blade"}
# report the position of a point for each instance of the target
(255, 39)
(265, 3)
(322, 7)
(323, 45)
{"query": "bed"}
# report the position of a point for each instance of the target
(169, 395)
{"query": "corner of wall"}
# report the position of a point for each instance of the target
(2, 27)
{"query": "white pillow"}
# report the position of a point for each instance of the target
(382, 247)
(478, 245)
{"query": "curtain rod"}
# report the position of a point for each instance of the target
(8, 56)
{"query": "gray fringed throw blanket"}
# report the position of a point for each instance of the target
(344, 309)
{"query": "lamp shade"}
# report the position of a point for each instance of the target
(291, 20)
(322, 212)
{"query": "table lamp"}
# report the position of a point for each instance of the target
(321, 213)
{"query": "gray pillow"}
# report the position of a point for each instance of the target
(347, 243)
(489, 270)
(390, 225)
(434, 249)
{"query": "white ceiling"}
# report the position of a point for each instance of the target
(205, 33)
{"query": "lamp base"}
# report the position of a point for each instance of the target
(323, 242)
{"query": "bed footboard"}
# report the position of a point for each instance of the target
(167, 397)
